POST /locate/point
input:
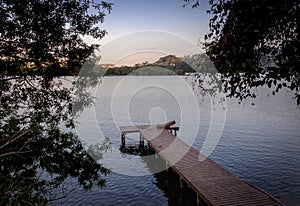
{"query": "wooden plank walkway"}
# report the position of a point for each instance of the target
(211, 182)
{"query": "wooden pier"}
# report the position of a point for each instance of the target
(212, 183)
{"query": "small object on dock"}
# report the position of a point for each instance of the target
(166, 125)
(212, 183)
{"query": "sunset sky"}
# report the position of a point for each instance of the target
(129, 17)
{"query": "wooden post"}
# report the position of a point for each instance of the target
(141, 140)
(123, 140)
(173, 129)
(166, 180)
(180, 182)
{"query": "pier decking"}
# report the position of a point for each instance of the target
(211, 182)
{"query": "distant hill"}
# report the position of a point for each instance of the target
(175, 65)
(169, 60)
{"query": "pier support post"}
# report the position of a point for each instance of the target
(141, 140)
(123, 140)
(181, 182)
(200, 201)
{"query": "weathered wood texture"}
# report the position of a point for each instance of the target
(214, 184)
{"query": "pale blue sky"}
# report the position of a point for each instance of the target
(130, 16)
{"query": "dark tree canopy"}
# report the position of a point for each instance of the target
(39, 149)
(46, 35)
(255, 43)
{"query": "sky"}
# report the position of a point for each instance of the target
(151, 19)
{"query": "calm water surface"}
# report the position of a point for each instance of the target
(260, 143)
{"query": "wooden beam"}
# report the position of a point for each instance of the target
(166, 125)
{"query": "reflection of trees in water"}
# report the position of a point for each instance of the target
(141, 150)
(41, 40)
(168, 181)
(39, 149)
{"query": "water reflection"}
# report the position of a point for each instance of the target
(39, 151)
(168, 181)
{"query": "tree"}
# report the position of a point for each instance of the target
(254, 43)
(39, 149)
(47, 35)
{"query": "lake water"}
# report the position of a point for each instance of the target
(259, 143)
